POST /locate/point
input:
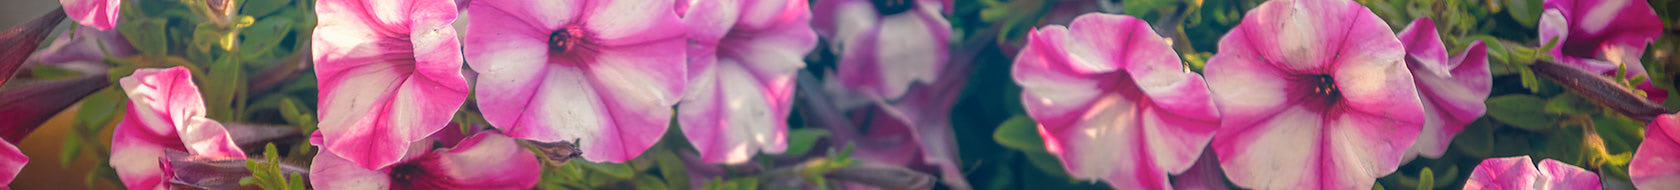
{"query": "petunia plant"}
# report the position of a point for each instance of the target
(840, 94)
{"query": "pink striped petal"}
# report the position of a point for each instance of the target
(100, 14)
(1594, 28)
(1452, 90)
(390, 75)
(612, 89)
(1519, 172)
(1109, 79)
(486, 160)
(742, 64)
(165, 113)
(1504, 173)
(11, 162)
(1656, 165)
(1314, 95)
(329, 171)
(1558, 175)
(883, 55)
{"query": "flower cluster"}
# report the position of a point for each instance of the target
(475, 94)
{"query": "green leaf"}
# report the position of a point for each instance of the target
(616, 171)
(671, 168)
(263, 7)
(801, 140)
(263, 36)
(1526, 12)
(147, 35)
(1020, 133)
(1564, 104)
(1046, 162)
(1522, 111)
(71, 149)
(648, 182)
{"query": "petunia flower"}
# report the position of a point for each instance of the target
(390, 74)
(100, 14)
(1519, 173)
(1656, 165)
(742, 64)
(486, 160)
(605, 73)
(885, 45)
(1601, 35)
(165, 114)
(1114, 102)
(1452, 90)
(1315, 95)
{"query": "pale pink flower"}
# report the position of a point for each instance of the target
(1516, 173)
(604, 73)
(1452, 89)
(1656, 165)
(165, 114)
(885, 46)
(742, 63)
(390, 74)
(100, 14)
(1114, 102)
(1600, 35)
(1315, 95)
(486, 160)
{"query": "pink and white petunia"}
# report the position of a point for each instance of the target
(741, 67)
(390, 74)
(885, 46)
(165, 114)
(1114, 102)
(1656, 165)
(486, 160)
(1314, 94)
(605, 73)
(1518, 172)
(100, 14)
(1452, 89)
(1601, 35)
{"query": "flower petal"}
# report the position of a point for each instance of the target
(100, 14)
(1423, 43)
(1451, 100)
(328, 171)
(1503, 173)
(1656, 165)
(401, 84)
(1558, 175)
(728, 118)
(487, 160)
(1270, 154)
(165, 112)
(1147, 100)
(905, 49)
(628, 22)
(11, 162)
